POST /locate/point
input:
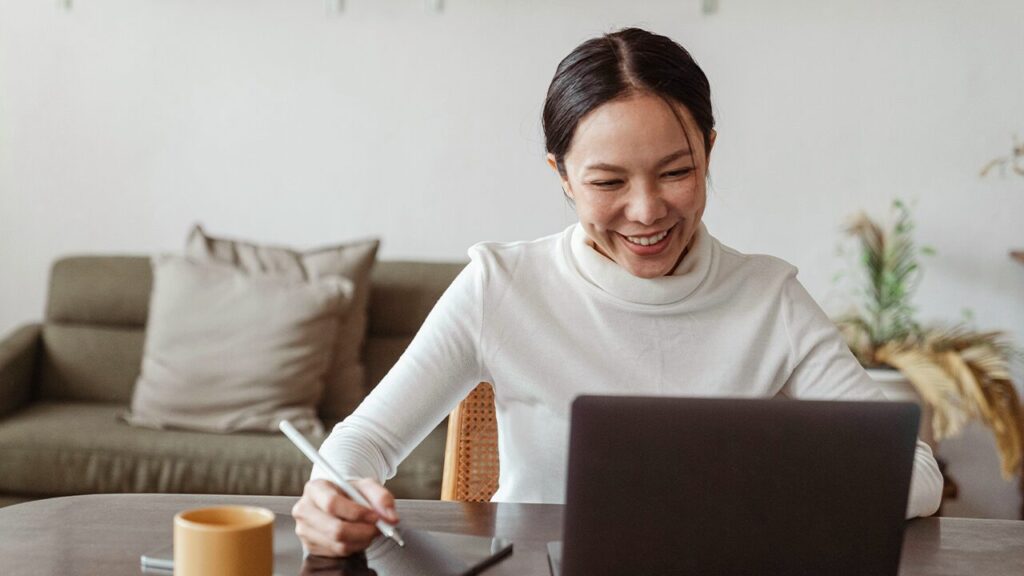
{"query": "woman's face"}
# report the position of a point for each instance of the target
(637, 184)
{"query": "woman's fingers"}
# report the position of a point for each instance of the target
(337, 530)
(330, 524)
(339, 538)
(379, 497)
(332, 500)
(317, 546)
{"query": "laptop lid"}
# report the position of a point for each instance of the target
(660, 485)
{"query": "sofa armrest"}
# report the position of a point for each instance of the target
(17, 366)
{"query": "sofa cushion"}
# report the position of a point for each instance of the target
(97, 363)
(18, 353)
(346, 378)
(99, 290)
(92, 338)
(404, 293)
(12, 500)
(59, 449)
(381, 353)
(229, 351)
(56, 449)
(101, 362)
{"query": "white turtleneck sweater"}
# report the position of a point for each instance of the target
(548, 320)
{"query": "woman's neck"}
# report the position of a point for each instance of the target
(609, 277)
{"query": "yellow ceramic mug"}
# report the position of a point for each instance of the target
(224, 541)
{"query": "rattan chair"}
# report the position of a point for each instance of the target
(471, 451)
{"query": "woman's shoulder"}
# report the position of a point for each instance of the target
(741, 266)
(510, 255)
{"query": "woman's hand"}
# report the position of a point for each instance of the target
(330, 524)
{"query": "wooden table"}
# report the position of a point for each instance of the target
(105, 534)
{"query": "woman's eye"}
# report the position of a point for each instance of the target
(677, 173)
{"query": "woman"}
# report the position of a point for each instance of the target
(636, 298)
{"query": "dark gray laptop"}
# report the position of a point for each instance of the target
(727, 487)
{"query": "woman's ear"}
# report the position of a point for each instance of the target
(553, 162)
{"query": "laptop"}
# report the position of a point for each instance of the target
(681, 486)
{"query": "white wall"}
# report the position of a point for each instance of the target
(124, 121)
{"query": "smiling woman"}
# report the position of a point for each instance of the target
(637, 298)
(629, 130)
(638, 187)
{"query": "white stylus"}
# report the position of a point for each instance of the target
(349, 490)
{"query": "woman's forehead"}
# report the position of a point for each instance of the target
(643, 128)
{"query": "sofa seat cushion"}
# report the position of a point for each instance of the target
(56, 449)
(12, 500)
(60, 449)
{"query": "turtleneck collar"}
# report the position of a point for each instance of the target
(609, 277)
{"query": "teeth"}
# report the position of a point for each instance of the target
(647, 240)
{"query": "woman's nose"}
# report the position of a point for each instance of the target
(646, 205)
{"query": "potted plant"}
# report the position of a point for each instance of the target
(958, 373)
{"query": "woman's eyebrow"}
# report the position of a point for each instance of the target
(681, 153)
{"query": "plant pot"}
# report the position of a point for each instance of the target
(898, 388)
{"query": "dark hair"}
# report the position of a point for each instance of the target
(617, 65)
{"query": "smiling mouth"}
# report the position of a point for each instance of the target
(649, 245)
(648, 240)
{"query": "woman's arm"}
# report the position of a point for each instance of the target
(824, 368)
(438, 369)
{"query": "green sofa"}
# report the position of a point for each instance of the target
(63, 382)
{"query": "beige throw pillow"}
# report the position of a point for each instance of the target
(345, 385)
(228, 351)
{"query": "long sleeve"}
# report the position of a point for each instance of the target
(438, 369)
(824, 368)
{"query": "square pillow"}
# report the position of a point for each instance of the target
(345, 385)
(228, 351)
